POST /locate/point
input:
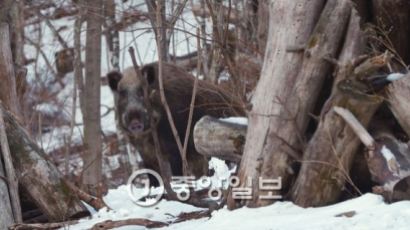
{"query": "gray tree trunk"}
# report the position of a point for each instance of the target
(291, 78)
(92, 171)
(6, 214)
(8, 92)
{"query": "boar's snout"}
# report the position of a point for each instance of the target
(134, 121)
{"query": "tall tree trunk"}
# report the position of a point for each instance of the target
(292, 76)
(8, 92)
(92, 174)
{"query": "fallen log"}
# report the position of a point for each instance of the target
(40, 178)
(216, 138)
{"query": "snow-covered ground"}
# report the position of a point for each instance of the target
(366, 212)
(369, 212)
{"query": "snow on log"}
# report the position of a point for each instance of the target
(217, 138)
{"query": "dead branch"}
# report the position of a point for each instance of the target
(109, 224)
(231, 15)
(95, 202)
(358, 128)
(38, 47)
(191, 108)
(45, 226)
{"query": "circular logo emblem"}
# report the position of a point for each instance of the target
(139, 188)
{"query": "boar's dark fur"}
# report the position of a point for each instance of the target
(178, 85)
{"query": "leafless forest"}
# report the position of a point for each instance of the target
(93, 90)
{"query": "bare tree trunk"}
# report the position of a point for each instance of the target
(8, 96)
(5, 7)
(17, 28)
(8, 92)
(6, 214)
(10, 172)
(92, 174)
(292, 76)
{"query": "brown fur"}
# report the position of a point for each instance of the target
(178, 85)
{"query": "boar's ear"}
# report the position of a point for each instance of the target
(113, 78)
(150, 73)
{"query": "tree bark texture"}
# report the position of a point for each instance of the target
(290, 83)
(40, 178)
(92, 118)
(8, 82)
(328, 156)
(216, 138)
(6, 214)
(398, 95)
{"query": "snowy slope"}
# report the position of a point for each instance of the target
(370, 213)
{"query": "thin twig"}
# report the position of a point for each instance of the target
(164, 101)
(164, 166)
(191, 108)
